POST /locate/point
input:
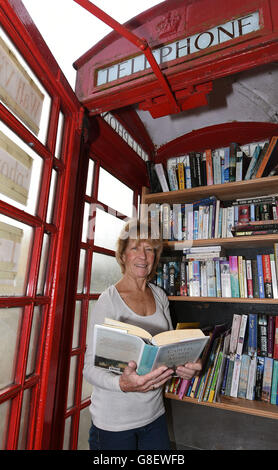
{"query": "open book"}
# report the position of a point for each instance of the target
(116, 343)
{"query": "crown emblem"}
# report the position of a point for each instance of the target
(169, 24)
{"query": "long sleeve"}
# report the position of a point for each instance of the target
(94, 375)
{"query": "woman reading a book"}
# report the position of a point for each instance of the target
(127, 410)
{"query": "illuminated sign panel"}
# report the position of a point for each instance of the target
(203, 41)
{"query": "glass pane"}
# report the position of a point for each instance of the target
(10, 321)
(66, 444)
(107, 230)
(59, 138)
(81, 271)
(72, 381)
(76, 328)
(43, 264)
(90, 178)
(83, 432)
(20, 172)
(34, 339)
(51, 197)
(24, 420)
(105, 271)
(31, 108)
(15, 248)
(85, 222)
(114, 193)
(4, 417)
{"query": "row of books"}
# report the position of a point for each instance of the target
(240, 361)
(211, 218)
(205, 273)
(224, 165)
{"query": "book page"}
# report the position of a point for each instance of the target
(177, 354)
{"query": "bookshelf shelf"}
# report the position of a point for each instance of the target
(235, 242)
(257, 408)
(224, 192)
(238, 300)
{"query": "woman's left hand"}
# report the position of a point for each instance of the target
(189, 370)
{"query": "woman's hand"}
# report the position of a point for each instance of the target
(130, 381)
(189, 370)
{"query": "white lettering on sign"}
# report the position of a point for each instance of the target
(18, 91)
(15, 170)
(182, 48)
(117, 126)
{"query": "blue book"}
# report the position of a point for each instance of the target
(226, 164)
(195, 224)
(218, 278)
(260, 276)
(252, 334)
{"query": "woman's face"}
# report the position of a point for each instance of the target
(138, 258)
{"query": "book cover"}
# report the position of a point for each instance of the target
(252, 334)
(274, 384)
(225, 278)
(161, 176)
(234, 276)
(259, 378)
(267, 276)
(243, 376)
(117, 343)
(209, 167)
(250, 392)
(267, 378)
(181, 179)
(252, 163)
(270, 158)
(232, 162)
(262, 335)
(260, 276)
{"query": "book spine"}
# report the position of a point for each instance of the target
(260, 276)
(234, 276)
(252, 334)
(250, 392)
(161, 176)
(274, 385)
(275, 347)
(267, 378)
(262, 335)
(209, 167)
(249, 279)
(273, 277)
(181, 178)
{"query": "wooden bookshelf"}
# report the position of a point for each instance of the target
(224, 192)
(240, 405)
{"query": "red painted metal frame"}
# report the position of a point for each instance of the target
(24, 35)
(141, 43)
(183, 75)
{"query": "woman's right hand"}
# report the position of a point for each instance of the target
(130, 381)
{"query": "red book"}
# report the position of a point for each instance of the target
(209, 167)
(267, 276)
(275, 347)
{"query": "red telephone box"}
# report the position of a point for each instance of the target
(165, 64)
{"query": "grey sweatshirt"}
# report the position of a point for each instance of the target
(111, 409)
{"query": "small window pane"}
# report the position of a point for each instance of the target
(43, 264)
(76, 328)
(81, 271)
(105, 271)
(15, 246)
(51, 198)
(21, 179)
(85, 227)
(46, 106)
(72, 381)
(24, 420)
(114, 193)
(66, 444)
(10, 321)
(4, 417)
(90, 178)
(34, 341)
(83, 432)
(59, 138)
(107, 230)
